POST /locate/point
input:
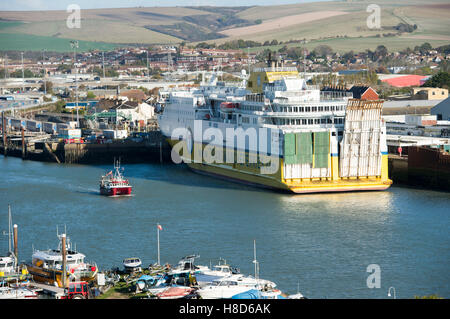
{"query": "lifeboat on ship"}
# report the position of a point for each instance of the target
(228, 107)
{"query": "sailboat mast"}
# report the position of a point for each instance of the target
(254, 260)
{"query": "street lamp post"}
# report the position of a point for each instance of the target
(74, 45)
(389, 292)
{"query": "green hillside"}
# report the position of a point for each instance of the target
(341, 24)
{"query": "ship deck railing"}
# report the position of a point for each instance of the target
(286, 101)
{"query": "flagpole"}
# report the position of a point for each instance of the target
(157, 228)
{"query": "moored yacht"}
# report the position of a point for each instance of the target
(224, 288)
(186, 265)
(217, 272)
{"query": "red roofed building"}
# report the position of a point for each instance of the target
(363, 93)
(406, 80)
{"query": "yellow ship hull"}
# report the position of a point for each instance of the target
(250, 174)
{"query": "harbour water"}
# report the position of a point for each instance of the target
(321, 242)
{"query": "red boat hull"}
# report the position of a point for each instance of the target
(115, 191)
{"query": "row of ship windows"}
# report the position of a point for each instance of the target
(328, 120)
(246, 120)
(336, 120)
(296, 109)
(171, 110)
(251, 107)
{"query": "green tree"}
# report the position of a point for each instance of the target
(59, 106)
(439, 80)
(47, 86)
(381, 52)
(323, 50)
(444, 66)
(425, 47)
(26, 73)
(90, 95)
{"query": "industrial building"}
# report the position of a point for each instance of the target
(442, 110)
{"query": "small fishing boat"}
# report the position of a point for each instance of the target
(114, 184)
(47, 265)
(7, 292)
(175, 292)
(132, 264)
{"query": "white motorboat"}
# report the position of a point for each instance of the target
(251, 281)
(132, 264)
(223, 289)
(17, 293)
(186, 265)
(219, 271)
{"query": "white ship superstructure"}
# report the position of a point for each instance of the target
(307, 140)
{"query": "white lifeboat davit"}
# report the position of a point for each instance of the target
(228, 107)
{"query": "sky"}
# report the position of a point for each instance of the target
(25, 5)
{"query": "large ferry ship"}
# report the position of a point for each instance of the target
(276, 131)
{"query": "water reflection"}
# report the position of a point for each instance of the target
(366, 205)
